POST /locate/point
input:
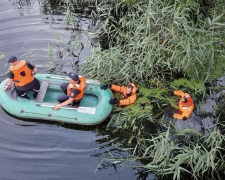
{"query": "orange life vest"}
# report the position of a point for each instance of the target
(185, 108)
(81, 87)
(19, 68)
(128, 99)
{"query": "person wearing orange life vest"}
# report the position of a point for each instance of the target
(22, 74)
(74, 91)
(129, 92)
(186, 105)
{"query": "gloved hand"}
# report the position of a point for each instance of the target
(184, 118)
(114, 101)
(171, 93)
(104, 87)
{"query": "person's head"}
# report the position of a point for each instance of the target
(73, 76)
(184, 99)
(129, 89)
(12, 60)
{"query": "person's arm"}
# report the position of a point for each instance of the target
(82, 81)
(35, 71)
(117, 88)
(33, 68)
(10, 80)
(8, 84)
(129, 100)
(74, 93)
(178, 93)
(183, 116)
(70, 100)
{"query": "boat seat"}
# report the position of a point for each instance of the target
(42, 91)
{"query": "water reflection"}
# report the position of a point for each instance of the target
(29, 7)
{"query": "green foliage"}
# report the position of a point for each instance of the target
(150, 43)
(196, 87)
(167, 156)
(153, 40)
(2, 55)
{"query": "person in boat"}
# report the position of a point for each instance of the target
(74, 91)
(186, 105)
(129, 93)
(22, 74)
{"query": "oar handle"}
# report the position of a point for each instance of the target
(53, 77)
(88, 81)
(86, 110)
(51, 106)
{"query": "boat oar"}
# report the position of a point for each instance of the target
(88, 81)
(87, 110)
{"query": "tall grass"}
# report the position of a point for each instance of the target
(166, 155)
(155, 40)
(149, 43)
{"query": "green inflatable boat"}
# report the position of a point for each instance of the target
(93, 109)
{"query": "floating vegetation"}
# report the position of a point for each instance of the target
(2, 55)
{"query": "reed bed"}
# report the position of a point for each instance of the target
(155, 40)
(199, 158)
(150, 43)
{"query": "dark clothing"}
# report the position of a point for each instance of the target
(34, 85)
(63, 98)
(29, 65)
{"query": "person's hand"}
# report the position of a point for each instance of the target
(57, 107)
(114, 101)
(104, 87)
(171, 93)
(6, 87)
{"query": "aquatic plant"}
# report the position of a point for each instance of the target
(155, 40)
(2, 55)
(165, 154)
(153, 43)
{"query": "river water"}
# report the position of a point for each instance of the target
(37, 150)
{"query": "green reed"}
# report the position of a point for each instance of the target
(150, 43)
(2, 55)
(166, 155)
(155, 40)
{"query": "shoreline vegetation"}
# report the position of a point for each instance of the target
(161, 45)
